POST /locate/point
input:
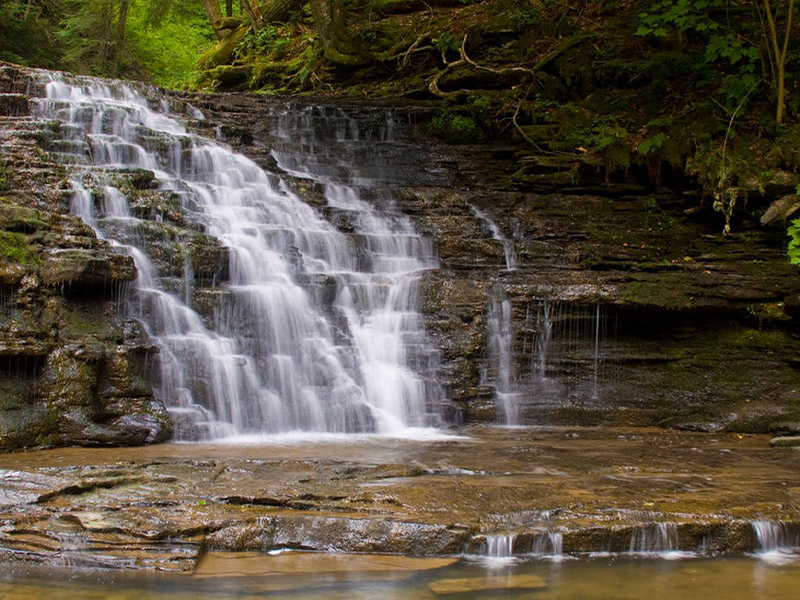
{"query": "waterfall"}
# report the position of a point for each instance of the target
(659, 539)
(508, 245)
(776, 544)
(501, 356)
(543, 328)
(549, 546)
(314, 330)
(499, 550)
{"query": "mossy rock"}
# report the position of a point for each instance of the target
(92, 268)
(222, 53)
(785, 442)
(16, 250)
(26, 427)
(21, 219)
(68, 381)
(228, 77)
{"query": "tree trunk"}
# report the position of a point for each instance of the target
(330, 22)
(122, 23)
(119, 42)
(214, 14)
(779, 53)
(228, 8)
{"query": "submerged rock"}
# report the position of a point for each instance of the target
(785, 441)
(487, 585)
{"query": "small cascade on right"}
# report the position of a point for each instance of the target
(508, 245)
(549, 546)
(777, 543)
(554, 356)
(566, 348)
(657, 539)
(500, 344)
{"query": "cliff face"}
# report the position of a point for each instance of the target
(578, 302)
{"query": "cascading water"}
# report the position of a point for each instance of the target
(549, 546)
(280, 355)
(776, 544)
(501, 355)
(508, 245)
(499, 550)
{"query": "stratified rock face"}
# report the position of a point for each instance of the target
(561, 299)
(71, 369)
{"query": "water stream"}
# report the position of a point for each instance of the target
(598, 579)
(509, 251)
(777, 544)
(314, 330)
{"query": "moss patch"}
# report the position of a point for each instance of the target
(14, 249)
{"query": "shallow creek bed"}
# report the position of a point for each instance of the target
(483, 491)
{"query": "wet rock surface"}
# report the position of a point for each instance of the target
(600, 489)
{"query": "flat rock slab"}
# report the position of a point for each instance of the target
(18, 487)
(238, 564)
(491, 584)
(305, 570)
(599, 488)
(785, 441)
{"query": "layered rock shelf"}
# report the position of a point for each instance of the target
(599, 490)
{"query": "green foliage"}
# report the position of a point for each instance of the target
(5, 176)
(454, 127)
(167, 47)
(682, 15)
(652, 145)
(88, 35)
(729, 59)
(793, 251)
(26, 32)
(157, 41)
(524, 14)
(261, 41)
(446, 42)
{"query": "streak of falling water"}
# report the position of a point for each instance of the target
(279, 359)
(508, 245)
(501, 355)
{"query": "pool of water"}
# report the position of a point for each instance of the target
(300, 576)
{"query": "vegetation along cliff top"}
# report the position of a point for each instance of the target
(700, 92)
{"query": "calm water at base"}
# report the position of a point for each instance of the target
(620, 578)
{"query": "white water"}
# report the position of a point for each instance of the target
(660, 540)
(278, 357)
(550, 546)
(499, 551)
(501, 356)
(776, 544)
(508, 245)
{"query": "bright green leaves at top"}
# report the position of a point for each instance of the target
(728, 57)
(652, 145)
(793, 251)
(682, 15)
(729, 47)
